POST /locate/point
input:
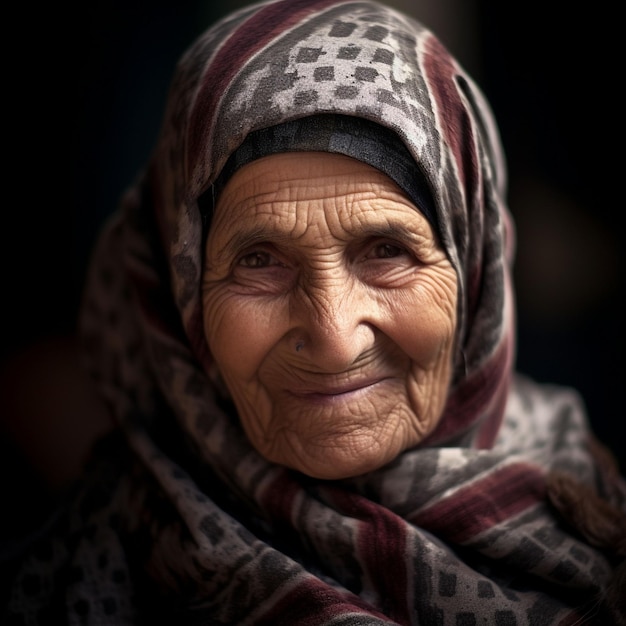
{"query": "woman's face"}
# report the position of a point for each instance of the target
(330, 310)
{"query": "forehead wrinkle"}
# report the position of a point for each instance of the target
(299, 206)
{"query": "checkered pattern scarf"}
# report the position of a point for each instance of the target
(508, 513)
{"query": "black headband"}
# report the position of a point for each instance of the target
(356, 137)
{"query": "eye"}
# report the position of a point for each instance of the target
(387, 263)
(386, 250)
(257, 259)
(262, 271)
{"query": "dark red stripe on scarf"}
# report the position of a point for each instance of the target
(491, 422)
(255, 33)
(482, 395)
(484, 503)
(311, 601)
(381, 549)
(453, 116)
(314, 602)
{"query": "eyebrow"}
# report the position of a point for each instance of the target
(247, 238)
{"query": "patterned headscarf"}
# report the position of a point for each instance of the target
(466, 528)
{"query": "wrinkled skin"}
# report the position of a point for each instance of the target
(330, 310)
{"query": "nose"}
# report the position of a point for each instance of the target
(333, 324)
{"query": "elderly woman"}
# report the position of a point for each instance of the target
(302, 319)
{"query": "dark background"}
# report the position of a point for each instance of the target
(85, 91)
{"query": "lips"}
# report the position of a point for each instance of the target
(329, 392)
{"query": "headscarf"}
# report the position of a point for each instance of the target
(188, 521)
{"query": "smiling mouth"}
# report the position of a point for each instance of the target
(336, 393)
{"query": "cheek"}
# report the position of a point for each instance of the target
(426, 329)
(239, 332)
(423, 325)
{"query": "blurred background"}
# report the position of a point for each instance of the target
(85, 95)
